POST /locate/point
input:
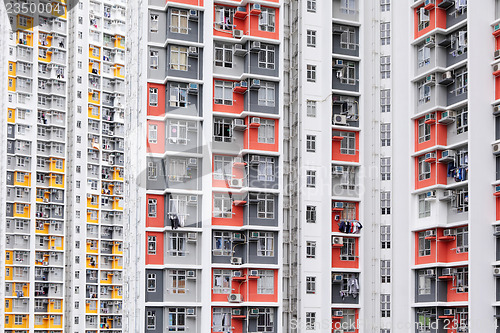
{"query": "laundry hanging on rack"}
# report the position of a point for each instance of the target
(350, 227)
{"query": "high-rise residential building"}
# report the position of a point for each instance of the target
(250, 166)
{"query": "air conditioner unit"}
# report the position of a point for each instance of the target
(496, 148)
(338, 205)
(237, 312)
(237, 236)
(430, 194)
(497, 54)
(496, 271)
(237, 33)
(447, 117)
(190, 312)
(193, 88)
(338, 313)
(254, 84)
(237, 274)
(192, 161)
(448, 195)
(26, 237)
(256, 7)
(26, 190)
(430, 156)
(430, 272)
(446, 78)
(234, 298)
(191, 236)
(253, 312)
(193, 51)
(449, 312)
(255, 46)
(239, 51)
(239, 125)
(430, 233)
(448, 271)
(338, 64)
(253, 235)
(193, 15)
(338, 170)
(255, 159)
(337, 278)
(253, 272)
(190, 274)
(430, 79)
(447, 155)
(496, 68)
(449, 232)
(236, 261)
(236, 183)
(337, 241)
(430, 41)
(340, 119)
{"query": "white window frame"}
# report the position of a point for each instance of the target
(223, 55)
(223, 92)
(179, 58)
(266, 131)
(223, 206)
(267, 57)
(153, 134)
(265, 244)
(311, 38)
(267, 19)
(179, 22)
(267, 94)
(265, 283)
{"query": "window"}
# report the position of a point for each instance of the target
(265, 171)
(310, 249)
(424, 169)
(177, 132)
(177, 244)
(424, 283)
(385, 33)
(311, 6)
(18, 319)
(265, 283)
(458, 43)
(179, 21)
(423, 18)
(224, 17)
(178, 96)
(267, 19)
(223, 56)
(151, 320)
(151, 282)
(153, 134)
(348, 249)
(348, 73)
(311, 108)
(267, 56)
(310, 320)
(311, 214)
(222, 281)
(310, 284)
(311, 143)
(462, 240)
(385, 168)
(424, 245)
(385, 6)
(266, 95)
(385, 67)
(177, 281)
(223, 131)
(311, 178)
(223, 167)
(424, 131)
(153, 59)
(423, 56)
(265, 320)
(424, 93)
(311, 38)
(462, 121)
(265, 244)
(223, 92)
(348, 7)
(222, 206)
(153, 96)
(461, 280)
(153, 23)
(179, 58)
(348, 143)
(311, 73)
(460, 81)
(222, 243)
(385, 305)
(266, 130)
(152, 245)
(348, 38)
(176, 319)
(152, 171)
(424, 206)
(152, 207)
(265, 206)
(385, 134)
(426, 321)
(221, 320)
(385, 271)
(385, 202)
(460, 202)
